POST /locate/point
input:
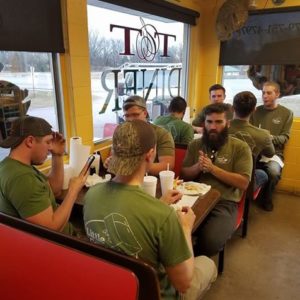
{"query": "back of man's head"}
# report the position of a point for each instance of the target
(217, 86)
(131, 140)
(244, 104)
(217, 108)
(177, 105)
(24, 127)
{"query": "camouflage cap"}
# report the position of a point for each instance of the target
(134, 100)
(131, 140)
(26, 126)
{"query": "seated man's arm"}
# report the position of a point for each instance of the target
(56, 175)
(284, 135)
(181, 274)
(269, 149)
(57, 219)
(165, 149)
(164, 162)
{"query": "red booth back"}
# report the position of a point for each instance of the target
(35, 268)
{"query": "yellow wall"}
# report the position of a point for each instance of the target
(203, 71)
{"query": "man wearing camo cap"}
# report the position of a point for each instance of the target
(121, 216)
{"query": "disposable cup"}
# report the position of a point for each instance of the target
(149, 185)
(166, 181)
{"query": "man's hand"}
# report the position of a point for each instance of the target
(172, 196)
(77, 183)
(205, 163)
(58, 144)
(187, 218)
(106, 162)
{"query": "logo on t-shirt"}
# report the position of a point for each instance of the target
(224, 159)
(276, 121)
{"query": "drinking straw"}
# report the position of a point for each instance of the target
(168, 166)
(146, 174)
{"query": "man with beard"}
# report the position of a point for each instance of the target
(26, 192)
(225, 163)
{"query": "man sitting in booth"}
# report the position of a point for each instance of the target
(181, 131)
(217, 94)
(225, 163)
(134, 108)
(259, 140)
(27, 193)
(278, 120)
(121, 216)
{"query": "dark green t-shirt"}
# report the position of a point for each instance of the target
(259, 140)
(126, 219)
(25, 191)
(277, 121)
(181, 131)
(235, 156)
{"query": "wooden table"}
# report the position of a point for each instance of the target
(201, 208)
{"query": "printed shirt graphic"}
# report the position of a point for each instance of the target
(115, 232)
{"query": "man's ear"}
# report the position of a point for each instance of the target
(150, 155)
(29, 140)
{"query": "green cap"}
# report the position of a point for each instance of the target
(131, 140)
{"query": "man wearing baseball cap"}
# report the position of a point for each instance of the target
(134, 108)
(24, 191)
(121, 216)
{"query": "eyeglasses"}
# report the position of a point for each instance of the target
(133, 115)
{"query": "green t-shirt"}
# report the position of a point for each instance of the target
(181, 131)
(126, 219)
(277, 121)
(259, 140)
(24, 191)
(235, 156)
(165, 144)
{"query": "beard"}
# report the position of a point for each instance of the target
(213, 139)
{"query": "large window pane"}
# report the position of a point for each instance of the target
(26, 87)
(250, 78)
(141, 60)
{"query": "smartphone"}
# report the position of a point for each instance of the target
(89, 162)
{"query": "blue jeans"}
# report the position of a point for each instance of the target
(261, 177)
(273, 170)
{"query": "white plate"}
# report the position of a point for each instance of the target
(95, 179)
(193, 188)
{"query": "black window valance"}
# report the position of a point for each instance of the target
(269, 37)
(31, 25)
(160, 8)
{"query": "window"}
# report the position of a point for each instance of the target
(133, 53)
(250, 78)
(27, 79)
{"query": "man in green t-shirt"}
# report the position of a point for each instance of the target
(121, 216)
(181, 131)
(217, 94)
(225, 163)
(135, 108)
(259, 140)
(26, 192)
(278, 120)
